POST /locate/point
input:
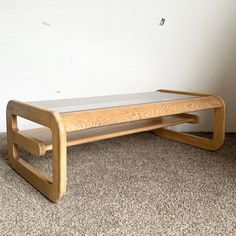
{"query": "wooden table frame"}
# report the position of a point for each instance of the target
(72, 128)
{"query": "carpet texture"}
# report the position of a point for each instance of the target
(134, 185)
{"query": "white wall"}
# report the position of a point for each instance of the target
(59, 49)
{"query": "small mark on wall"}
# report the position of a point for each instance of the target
(45, 23)
(162, 22)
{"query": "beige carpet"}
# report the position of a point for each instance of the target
(133, 185)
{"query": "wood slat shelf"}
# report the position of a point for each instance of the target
(39, 140)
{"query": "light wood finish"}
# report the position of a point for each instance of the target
(29, 142)
(96, 118)
(218, 129)
(41, 137)
(52, 189)
(72, 128)
(185, 92)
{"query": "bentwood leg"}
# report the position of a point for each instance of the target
(209, 144)
(53, 189)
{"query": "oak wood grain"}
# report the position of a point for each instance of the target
(43, 135)
(67, 129)
(53, 189)
(95, 118)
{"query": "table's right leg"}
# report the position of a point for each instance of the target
(209, 144)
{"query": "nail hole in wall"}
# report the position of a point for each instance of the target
(162, 22)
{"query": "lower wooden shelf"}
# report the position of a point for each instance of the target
(39, 140)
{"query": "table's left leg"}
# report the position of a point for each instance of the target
(53, 189)
(59, 161)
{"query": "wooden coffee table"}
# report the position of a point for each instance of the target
(70, 122)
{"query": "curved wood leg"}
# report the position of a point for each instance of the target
(209, 144)
(53, 189)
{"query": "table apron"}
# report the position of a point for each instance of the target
(75, 121)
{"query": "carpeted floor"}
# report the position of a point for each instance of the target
(133, 185)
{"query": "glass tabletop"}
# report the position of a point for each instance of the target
(109, 101)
